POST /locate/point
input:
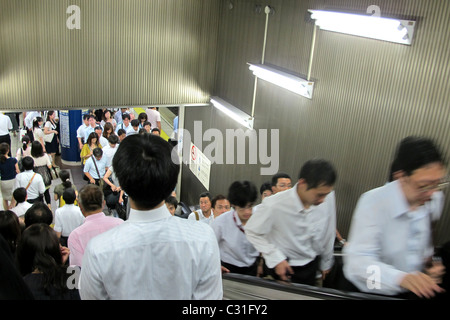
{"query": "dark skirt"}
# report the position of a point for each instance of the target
(52, 147)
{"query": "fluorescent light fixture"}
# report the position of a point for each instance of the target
(233, 112)
(283, 79)
(393, 30)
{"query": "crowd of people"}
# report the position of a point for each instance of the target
(151, 252)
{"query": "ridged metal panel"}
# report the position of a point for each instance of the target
(368, 94)
(134, 52)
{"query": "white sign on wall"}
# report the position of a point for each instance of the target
(200, 165)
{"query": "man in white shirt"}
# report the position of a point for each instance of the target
(28, 122)
(82, 130)
(204, 214)
(390, 245)
(31, 181)
(68, 217)
(118, 114)
(152, 255)
(220, 204)
(20, 197)
(110, 149)
(281, 181)
(293, 228)
(90, 128)
(5, 127)
(125, 124)
(154, 117)
(237, 254)
(96, 166)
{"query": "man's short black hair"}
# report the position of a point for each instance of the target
(279, 175)
(265, 186)
(121, 132)
(318, 172)
(414, 152)
(217, 198)
(242, 193)
(39, 212)
(27, 163)
(206, 194)
(20, 195)
(172, 200)
(145, 170)
(126, 116)
(69, 195)
(97, 152)
(135, 123)
(113, 139)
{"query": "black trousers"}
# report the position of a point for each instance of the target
(250, 271)
(305, 274)
(6, 138)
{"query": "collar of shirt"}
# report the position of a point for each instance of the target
(400, 204)
(95, 216)
(149, 215)
(297, 202)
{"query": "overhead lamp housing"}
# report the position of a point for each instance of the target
(283, 79)
(233, 112)
(387, 29)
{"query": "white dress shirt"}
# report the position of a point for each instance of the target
(109, 153)
(37, 186)
(282, 228)
(21, 208)
(202, 217)
(67, 219)
(385, 236)
(153, 117)
(81, 131)
(30, 117)
(234, 247)
(5, 124)
(153, 255)
(128, 129)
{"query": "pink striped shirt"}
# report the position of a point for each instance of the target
(93, 225)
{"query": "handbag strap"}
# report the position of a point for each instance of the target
(29, 183)
(95, 164)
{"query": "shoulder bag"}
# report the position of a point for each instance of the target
(100, 179)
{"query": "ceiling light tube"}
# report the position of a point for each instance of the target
(235, 113)
(283, 79)
(392, 30)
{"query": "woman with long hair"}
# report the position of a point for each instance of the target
(9, 168)
(142, 117)
(25, 149)
(38, 134)
(91, 143)
(42, 263)
(107, 118)
(51, 136)
(108, 130)
(42, 165)
(10, 229)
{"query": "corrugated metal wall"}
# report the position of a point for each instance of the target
(368, 94)
(134, 52)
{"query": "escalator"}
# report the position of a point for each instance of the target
(242, 287)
